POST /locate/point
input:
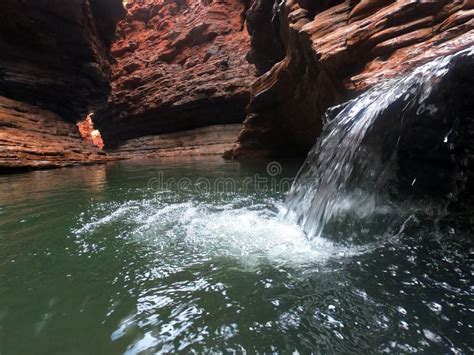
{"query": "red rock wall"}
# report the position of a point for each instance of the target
(333, 55)
(33, 138)
(203, 141)
(183, 65)
(180, 65)
(54, 69)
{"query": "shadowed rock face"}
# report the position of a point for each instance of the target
(434, 141)
(179, 65)
(203, 141)
(428, 139)
(54, 69)
(455, 102)
(266, 31)
(264, 28)
(54, 53)
(333, 55)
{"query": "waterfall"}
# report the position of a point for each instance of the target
(352, 165)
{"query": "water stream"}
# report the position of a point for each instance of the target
(353, 167)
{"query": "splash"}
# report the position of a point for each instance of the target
(245, 229)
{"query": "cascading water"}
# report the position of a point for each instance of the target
(351, 167)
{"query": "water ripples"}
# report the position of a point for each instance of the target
(128, 270)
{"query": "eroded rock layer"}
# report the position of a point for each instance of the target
(333, 55)
(209, 140)
(33, 138)
(54, 69)
(180, 65)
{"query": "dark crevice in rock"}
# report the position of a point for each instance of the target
(264, 28)
(172, 119)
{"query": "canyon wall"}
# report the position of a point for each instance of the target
(180, 66)
(334, 50)
(55, 53)
(34, 138)
(182, 74)
(54, 69)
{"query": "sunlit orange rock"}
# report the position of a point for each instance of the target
(89, 133)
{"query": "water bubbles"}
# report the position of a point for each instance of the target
(401, 310)
(204, 274)
(435, 307)
(241, 228)
(433, 337)
(403, 325)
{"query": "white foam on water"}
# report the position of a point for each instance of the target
(242, 229)
(118, 213)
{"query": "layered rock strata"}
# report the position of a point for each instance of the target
(54, 70)
(54, 53)
(33, 138)
(180, 65)
(333, 55)
(209, 140)
(190, 66)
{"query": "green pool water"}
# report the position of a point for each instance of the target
(191, 256)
